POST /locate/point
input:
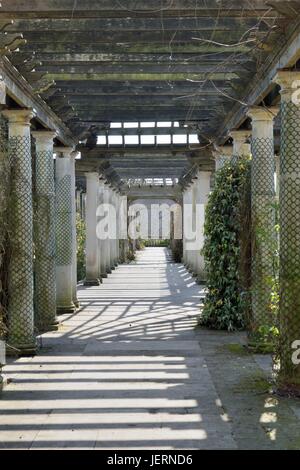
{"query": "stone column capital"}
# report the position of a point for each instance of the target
(18, 116)
(222, 150)
(240, 135)
(92, 175)
(289, 81)
(64, 152)
(44, 137)
(262, 114)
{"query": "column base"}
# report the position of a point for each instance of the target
(76, 303)
(51, 327)
(20, 350)
(60, 310)
(108, 271)
(103, 276)
(91, 282)
(3, 382)
(112, 268)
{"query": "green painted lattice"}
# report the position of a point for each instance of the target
(263, 230)
(45, 288)
(289, 239)
(20, 276)
(64, 232)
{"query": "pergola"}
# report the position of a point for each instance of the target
(155, 95)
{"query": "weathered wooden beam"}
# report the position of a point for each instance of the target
(215, 76)
(135, 48)
(94, 8)
(232, 68)
(138, 24)
(286, 56)
(154, 192)
(24, 95)
(134, 152)
(150, 173)
(159, 36)
(155, 88)
(139, 100)
(188, 58)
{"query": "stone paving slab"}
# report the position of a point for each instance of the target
(130, 370)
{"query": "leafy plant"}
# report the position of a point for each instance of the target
(81, 235)
(226, 223)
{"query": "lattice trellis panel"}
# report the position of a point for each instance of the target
(64, 233)
(4, 199)
(21, 314)
(289, 236)
(44, 235)
(263, 227)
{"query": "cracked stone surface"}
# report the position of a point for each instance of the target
(131, 370)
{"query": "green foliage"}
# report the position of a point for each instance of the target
(264, 340)
(140, 244)
(160, 243)
(225, 305)
(81, 234)
(130, 252)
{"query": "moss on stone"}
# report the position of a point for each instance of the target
(254, 383)
(236, 348)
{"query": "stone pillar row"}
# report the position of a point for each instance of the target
(264, 241)
(43, 282)
(107, 247)
(42, 271)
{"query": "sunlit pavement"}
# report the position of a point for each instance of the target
(130, 370)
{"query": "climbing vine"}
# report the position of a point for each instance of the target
(227, 248)
(81, 235)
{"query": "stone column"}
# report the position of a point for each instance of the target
(83, 205)
(277, 170)
(107, 242)
(222, 155)
(91, 248)
(187, 224)
(117, 241)
(184, 251)
(240, 144)
(74, 231)
(123, 232)
(289, 203)
(78, 196)
(263, 215)
(44, 233)
(203, 190)
(64, 230)
(112, 222)
(193, 252)
(20, 270)
(101, 243)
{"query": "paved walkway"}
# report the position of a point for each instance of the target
(126, 371)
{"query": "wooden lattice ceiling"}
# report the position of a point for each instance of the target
(115, 60)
